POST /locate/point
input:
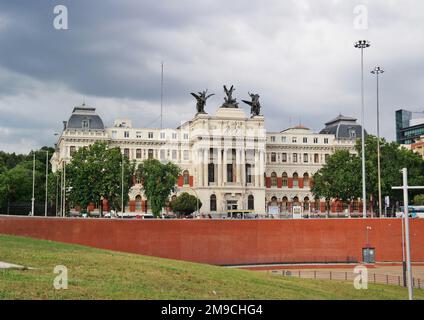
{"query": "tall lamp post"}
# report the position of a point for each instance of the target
(363, 44)
(377, 71)
(47, 173)
(33, 185)
(122, 186)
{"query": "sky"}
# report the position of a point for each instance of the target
(298, 55)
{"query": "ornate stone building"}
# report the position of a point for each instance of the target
(227, 159)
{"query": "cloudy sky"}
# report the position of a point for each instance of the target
(297, 54)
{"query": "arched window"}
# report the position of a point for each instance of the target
(186, 177)
(295, 180)
(296, 201)
(138, 203)
(306, 180)
(251, 203)
(284, 203)
(285, 179)
(273, 179)
(213, 203)
(274, 201)
(306, 204)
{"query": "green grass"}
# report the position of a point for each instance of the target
(101, 274)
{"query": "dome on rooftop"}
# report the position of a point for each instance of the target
(85, 118)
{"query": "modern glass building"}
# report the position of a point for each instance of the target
(408, 129)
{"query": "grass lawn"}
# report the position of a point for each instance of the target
(101, 274)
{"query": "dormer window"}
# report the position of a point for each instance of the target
(86, 124)
(352, 133)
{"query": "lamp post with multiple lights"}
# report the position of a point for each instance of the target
(363, 44)
(33, 185)
(377, 71)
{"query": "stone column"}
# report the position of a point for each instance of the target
(205, 167)
(243, 167)
(224, 166)
(219, 167)
(256, 171)
(199, 168)
(261, 168)
(238, 165)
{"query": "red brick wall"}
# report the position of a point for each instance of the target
(230, 242)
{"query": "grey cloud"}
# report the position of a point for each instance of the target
(298, 55)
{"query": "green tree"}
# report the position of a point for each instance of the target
(16, 176)
(158, 182)
(419, 200)
(185, 204)
(341, 176)
(95, 172)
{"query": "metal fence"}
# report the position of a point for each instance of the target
(348, 276)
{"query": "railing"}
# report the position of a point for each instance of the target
(348, 276)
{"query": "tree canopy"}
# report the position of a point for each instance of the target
(159, 180)
(95, 172)
(16, 176)
(341, 176)
(185, 204)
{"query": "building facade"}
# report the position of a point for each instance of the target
(408, 128)
(227, 159)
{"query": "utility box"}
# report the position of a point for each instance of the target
(368, 255)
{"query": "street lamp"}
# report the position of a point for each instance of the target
(362, 44)
(33, 185)
(377, 71)
(47, 172)
(122, 186)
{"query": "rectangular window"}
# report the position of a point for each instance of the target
(150, 154)
(305, 158)
(316, 157)
(174, 154)
(272, 138)
(284, 157)
(273, 157)
(185, 136)
(294, 140)
(138, 134)
(283, 139)
(229, 172)
(315, 140)
(138, 153)
(126, 134)
(211, 173)
(174, 136)
(186, 155)
(162, 135)
(248, 173)
(162, 154)
(127, 152)
(150, 135)
(295, 157)
(326, 140)
(326, 157)
(305, 140)
(71, 150)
